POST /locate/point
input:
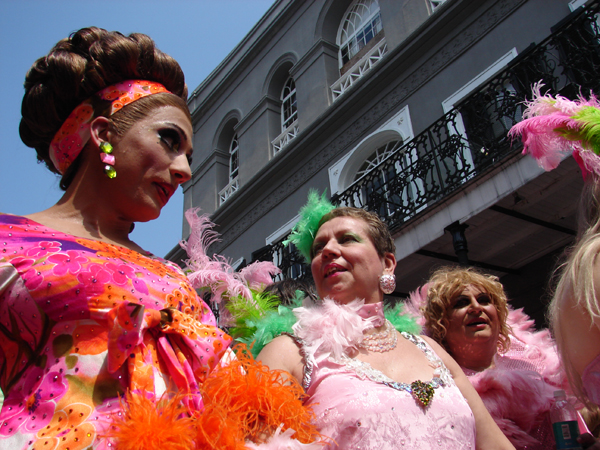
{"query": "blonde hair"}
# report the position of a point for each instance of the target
(446, 284)
(576, 280)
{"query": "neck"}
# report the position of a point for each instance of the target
(87, 216)
(476, 356)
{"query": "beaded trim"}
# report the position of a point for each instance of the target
(422, 391)
(307, 365)
(381, 341)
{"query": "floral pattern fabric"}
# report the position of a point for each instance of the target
(82, 322)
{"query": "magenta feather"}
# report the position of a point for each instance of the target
(554, 125)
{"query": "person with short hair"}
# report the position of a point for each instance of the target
(370, 386)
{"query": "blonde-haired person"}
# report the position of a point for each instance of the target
(514, 369)
(575, 310)
(554, 126)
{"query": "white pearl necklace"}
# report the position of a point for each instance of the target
(381, 341)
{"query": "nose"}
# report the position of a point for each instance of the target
(474, 305)
(180, 169)
(330, 249)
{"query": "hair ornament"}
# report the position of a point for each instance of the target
(304, 232)
(554, 126)
(74, 133)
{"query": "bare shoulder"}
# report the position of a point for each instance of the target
(448, 360)
(283, 353)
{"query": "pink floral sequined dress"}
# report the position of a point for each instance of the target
(359, 407)
(82, 322)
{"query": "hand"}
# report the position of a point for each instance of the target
(588, 442)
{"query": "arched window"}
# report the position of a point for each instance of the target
(385, 189)
(361, 23)
(289, 110)
(233, 158)
(377, 157)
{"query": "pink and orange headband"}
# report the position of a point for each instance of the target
(74, 133)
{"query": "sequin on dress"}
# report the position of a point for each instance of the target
(82, 321)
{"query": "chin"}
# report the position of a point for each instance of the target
(145, 214)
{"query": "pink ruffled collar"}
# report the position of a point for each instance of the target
(373, 311)
(334, 329)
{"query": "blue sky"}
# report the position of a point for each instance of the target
(199, 34)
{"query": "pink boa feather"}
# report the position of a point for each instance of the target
(414, 306)
(216, 273)
(259, 274)
(330, 328)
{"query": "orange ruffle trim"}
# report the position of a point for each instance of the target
(244, 401)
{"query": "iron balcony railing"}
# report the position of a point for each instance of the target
(471, 139)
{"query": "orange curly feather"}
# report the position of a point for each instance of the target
(255, 400)
(146, 424)
(243, 401)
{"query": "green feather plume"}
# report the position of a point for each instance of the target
(247, 313)
(304, 232)
(400, 320)
(589, 133)
(257, 330)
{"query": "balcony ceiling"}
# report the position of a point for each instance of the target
(497, 239)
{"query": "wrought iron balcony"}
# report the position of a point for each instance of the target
(472, 138)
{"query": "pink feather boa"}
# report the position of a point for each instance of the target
(519, 391)
(331, 329)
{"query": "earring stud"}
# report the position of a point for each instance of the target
(387, 283)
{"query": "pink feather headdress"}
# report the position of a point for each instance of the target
(554, 126)
(216, 273)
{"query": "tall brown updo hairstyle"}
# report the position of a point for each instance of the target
(83, 64)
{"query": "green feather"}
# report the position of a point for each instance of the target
(400, 320)
(247, 313)
(304, 232)
(589, 133)
(272, 324)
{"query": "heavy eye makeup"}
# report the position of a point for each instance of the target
(350, 237)
(461, 302)
(345, 238)
(172, 139)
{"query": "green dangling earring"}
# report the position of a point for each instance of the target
(108, 159)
